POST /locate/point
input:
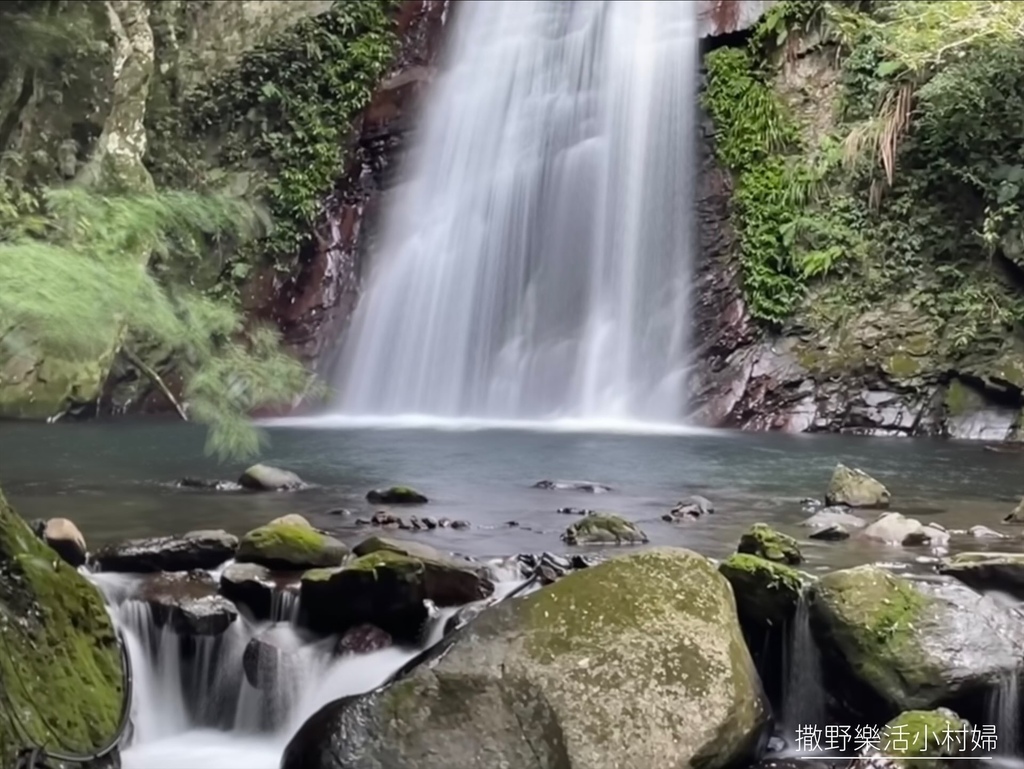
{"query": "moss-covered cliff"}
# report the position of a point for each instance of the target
(868, 276)
(252, 99)
(61, 682)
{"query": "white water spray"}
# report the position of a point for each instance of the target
(537, 264)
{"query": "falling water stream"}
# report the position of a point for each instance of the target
(537, 263)
(193, 706)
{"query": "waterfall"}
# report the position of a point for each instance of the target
(536, 264)
(803, 695)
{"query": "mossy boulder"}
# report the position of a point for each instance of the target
(396, 495)
(60, 664)
(635, 662)
(988, 571)
(290, 547)
(387, 590)
(765, 542)
(400, 546)
(855, 488)
(603, 529)
(914, 643)
(924, 736)
(767, 592)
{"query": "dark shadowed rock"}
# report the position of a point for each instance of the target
(914, 643)
(257, 588)
(588, 486)
(266, 478)
(205, 484)
(691, 508)
(396, 495)
(363, 639)
(767, 592)
(188, 603)
(272, 656)
(834, 533)
(66, 540)
(388, 590)
(194, 550)
(603, 529)
(637, 662)
(988, 571)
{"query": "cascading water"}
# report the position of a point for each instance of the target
(537, 263)
(193, 704)
(803, 696)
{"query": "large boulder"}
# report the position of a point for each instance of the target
(988, 571)
(66, 540)
(194, 550)
(60, 663)
(603, 529)
(261, 477)
(638, 662)
(913, 643)
(387, 590)
(855, 488)
(290, 544)
(925, 737)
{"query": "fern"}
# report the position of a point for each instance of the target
(79, 277)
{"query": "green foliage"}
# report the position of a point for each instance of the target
(75, 279)
(790, 229)
(283, 118)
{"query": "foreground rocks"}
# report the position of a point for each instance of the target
(764, 542)
(55, 631)
(767, 592)
(636, 662)
(911, 643)
(988, 571)
(188, 603)
(387, 589)
(257, 589)
(194, 550)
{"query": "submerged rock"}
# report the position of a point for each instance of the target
(396, 495)
(271, 657)
(575, 511)
(207, 485)
(833, 533)
(66, 540)
(767, 592)
(290, 544)
(984, 532)
(914, 643)
(56, 633)
(855, 488)
(692, 507)
(1017, 515)
(388, 590)
(262, 477)
(765, 542)
(637, 662)
(194, 550)
(400, 546)
(363, 639)
(188, 603)
(257, 588)
(834, 516)
(603, 529)
(988, 571)
(588, 486)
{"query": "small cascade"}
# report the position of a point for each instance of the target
(1004, 712)
(237, 698)
(803, 693)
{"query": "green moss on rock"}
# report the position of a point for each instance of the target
(921, 735)
(60, 663)
(767, 592)
(603, 528)
(290, 546)
(765, 542)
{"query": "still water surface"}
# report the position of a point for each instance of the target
(112, 480)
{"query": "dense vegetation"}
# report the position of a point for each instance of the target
(153, 270)
(904, 183)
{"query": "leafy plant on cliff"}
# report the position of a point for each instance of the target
(283, 117)
(73, 282)
(788, 234)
